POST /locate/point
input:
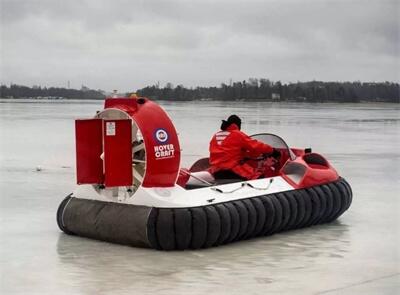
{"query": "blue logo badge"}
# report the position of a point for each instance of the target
(161, 135)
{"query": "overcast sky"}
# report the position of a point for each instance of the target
(127, 44)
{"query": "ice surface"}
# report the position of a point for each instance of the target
(358, 254)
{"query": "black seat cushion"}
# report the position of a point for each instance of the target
(227, 176)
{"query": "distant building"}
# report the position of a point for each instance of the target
(84, 88)
(275, 96)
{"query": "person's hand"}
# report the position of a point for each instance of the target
(276, 154)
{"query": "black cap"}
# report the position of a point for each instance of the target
(233, 119)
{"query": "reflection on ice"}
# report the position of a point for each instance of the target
(298, 249)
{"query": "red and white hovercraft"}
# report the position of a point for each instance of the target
(132, 191)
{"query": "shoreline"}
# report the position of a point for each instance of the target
(211, 100)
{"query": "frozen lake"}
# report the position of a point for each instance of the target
(357, 254)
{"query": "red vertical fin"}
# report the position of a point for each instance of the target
(117, 136)
(89, 146)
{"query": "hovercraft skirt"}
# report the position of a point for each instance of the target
(206, 226)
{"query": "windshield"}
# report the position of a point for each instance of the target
(274, 141)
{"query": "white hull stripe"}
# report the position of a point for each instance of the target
(178, 197)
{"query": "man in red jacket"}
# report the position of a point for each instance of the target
(229, 148)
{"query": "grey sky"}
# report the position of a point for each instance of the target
(126, 45)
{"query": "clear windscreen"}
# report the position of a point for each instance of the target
(274, 141)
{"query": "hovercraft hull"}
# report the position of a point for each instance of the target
(204, 226)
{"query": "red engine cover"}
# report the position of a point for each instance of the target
(308, 170)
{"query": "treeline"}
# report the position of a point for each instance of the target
(253, 89)
(264, 89)
(19, 91)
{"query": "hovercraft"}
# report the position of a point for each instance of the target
(132, 191)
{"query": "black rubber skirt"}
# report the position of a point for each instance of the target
(206, 226)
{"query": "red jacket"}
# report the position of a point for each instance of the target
(228, 148)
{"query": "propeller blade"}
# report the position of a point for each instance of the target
(138, 147)
(137, 175)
